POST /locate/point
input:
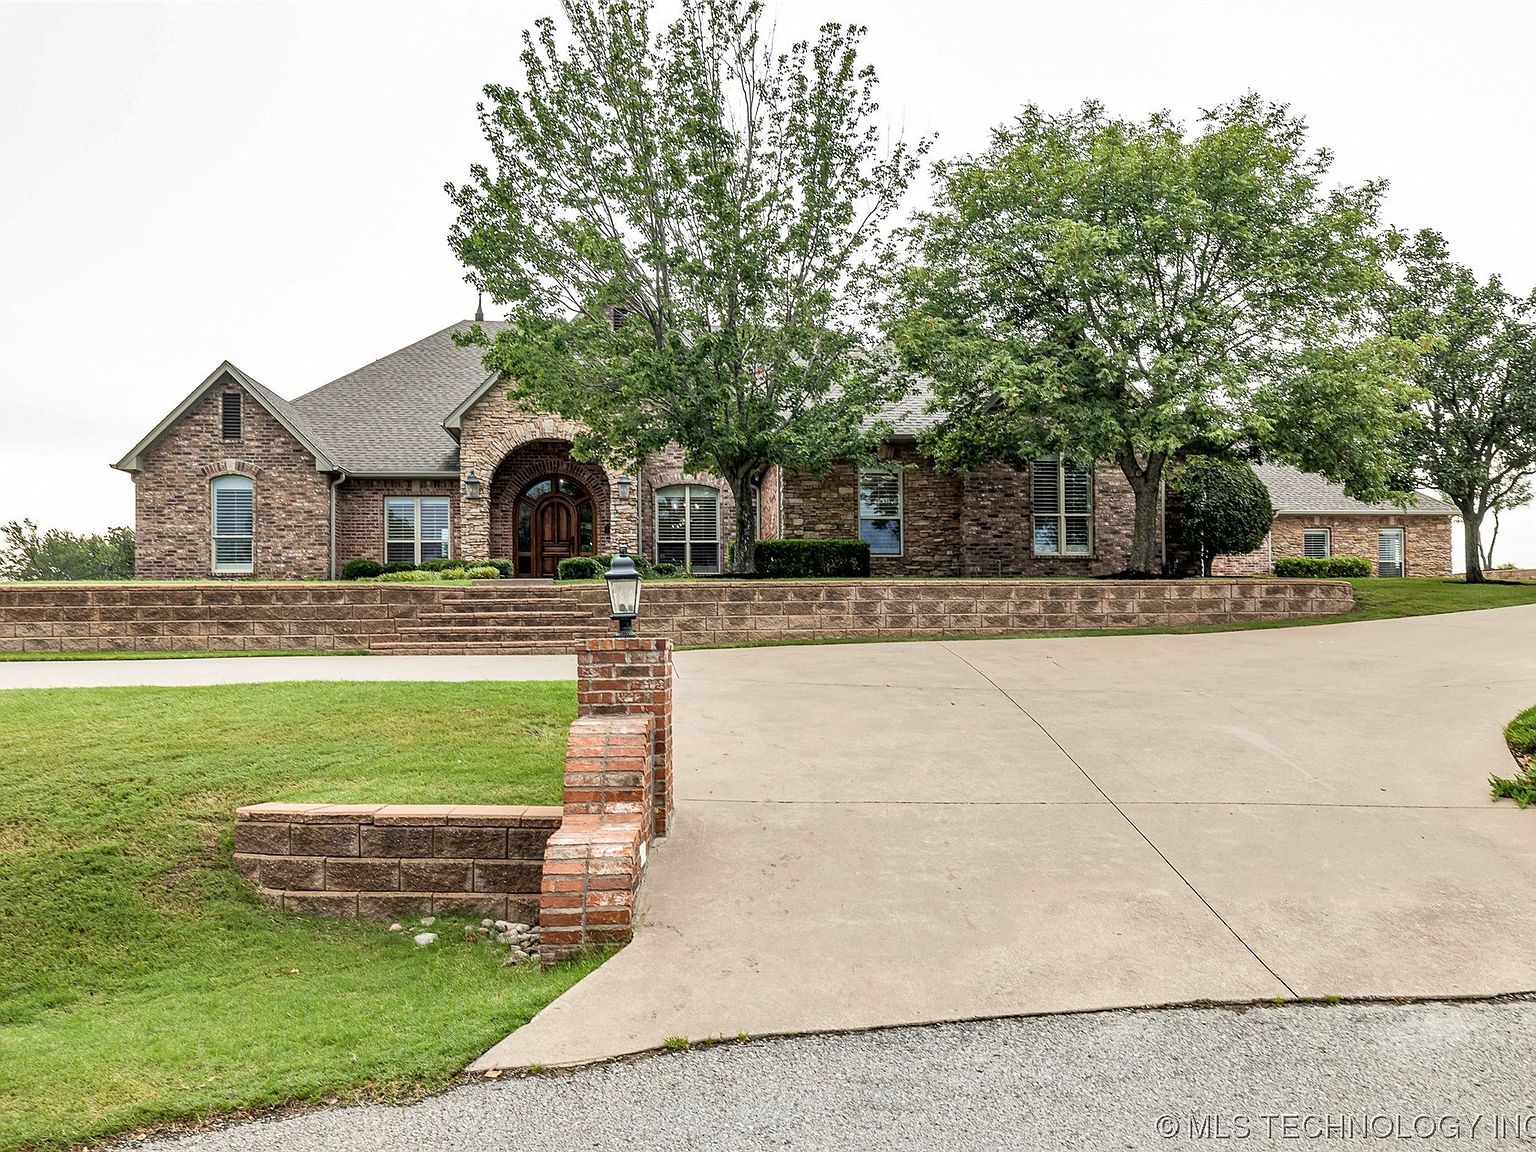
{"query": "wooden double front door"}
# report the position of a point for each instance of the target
(554, 534)
(555, 520)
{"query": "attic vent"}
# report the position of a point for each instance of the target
(229, 416)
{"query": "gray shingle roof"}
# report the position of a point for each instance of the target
(909, 415)
(388, 416)
(1291, 490)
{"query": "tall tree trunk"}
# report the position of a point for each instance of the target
(1471, 534)
(1146, 484)
(744, 557)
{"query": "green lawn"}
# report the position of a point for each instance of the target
(144, 982)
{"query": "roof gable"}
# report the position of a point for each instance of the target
(279, 409)
(388, 417)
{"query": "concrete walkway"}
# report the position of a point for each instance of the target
(891, 834)
(266, 669)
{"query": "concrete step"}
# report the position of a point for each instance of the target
(474, 648)
(516, 618)
(499, 635)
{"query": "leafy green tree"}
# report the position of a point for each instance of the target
(1135, 292)
(27, 554)
(1476, 441)
(1224, 508)
(675, 223)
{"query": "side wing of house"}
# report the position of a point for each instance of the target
(230, 484)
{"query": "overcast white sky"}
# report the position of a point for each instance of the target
(180, 184)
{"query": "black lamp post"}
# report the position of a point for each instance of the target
(624, 591)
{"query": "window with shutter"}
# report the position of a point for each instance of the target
(234, 524)
(880, 510)
(229, 416)
(1061, 496)
(1389, 552)
(415, 529)
(688, 527)
(1317, 543)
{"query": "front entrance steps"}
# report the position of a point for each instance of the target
(503, 618)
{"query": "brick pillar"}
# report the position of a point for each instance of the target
(632, 675)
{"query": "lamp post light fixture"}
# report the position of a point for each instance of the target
(623, 591)
(471, 486)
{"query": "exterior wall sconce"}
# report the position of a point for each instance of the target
(624, 482)
(624, 592)
(471, 486)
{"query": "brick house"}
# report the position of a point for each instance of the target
(421, 454)
(1314, 517)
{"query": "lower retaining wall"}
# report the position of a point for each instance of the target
(734, 612)
(381, 861)
(512, 616)
(238, 616)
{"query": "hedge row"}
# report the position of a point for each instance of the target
(429, 569)
(1322, 566)
(787, 559)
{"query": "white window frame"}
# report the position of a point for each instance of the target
(901, 508)
(231, 483)
(1327, 541)
(415, 539)
(1402, 549)
(1060, 513)
(689, 539)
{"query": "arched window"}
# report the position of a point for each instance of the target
(234, 524)
(688, 527)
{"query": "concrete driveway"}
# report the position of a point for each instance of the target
(886, 834)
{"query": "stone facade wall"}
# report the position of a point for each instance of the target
(1426, 542)
(360, 514)
(976, 524)
(534, 461)
(173, 503)
(383, 861)
(492, 429)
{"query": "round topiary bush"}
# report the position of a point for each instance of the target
(361, 569)
(1224, 508)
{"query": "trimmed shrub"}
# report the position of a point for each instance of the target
(580, 568)
(505, 567)
(361, 569)
(441, 564)
(664, 570)
(1224, 509)
(483, 572)
(1323, 566)
(399, 566)
(786, 559)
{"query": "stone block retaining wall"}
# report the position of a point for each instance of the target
(381, 861)
(520, 616)
(574, 870)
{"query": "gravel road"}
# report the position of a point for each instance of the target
(1443, 1075)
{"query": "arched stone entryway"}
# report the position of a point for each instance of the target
(544, 506)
